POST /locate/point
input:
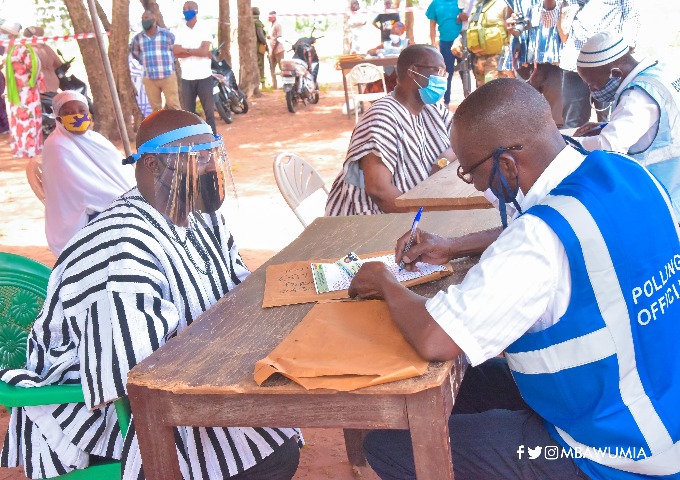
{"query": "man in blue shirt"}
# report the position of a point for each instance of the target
(445, 14)
(153, 49)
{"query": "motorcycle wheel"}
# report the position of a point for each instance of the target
(314, 97)
(225, 113)
(291, 101)
(47, 128)
(241, 107)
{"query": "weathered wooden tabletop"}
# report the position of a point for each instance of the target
(443, 191)
(204, 377)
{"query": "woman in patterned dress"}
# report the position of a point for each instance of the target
(23, 93)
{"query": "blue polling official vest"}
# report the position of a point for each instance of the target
(662, 157)
(606, 377)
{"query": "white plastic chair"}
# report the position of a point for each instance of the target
(34, 176)
(296, 180)
(360, 75)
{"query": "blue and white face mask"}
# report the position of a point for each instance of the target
(607, 94)
(435, 89)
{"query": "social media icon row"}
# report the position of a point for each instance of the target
(550, 452)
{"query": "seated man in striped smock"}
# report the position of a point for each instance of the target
(129, 281)
(400, 140)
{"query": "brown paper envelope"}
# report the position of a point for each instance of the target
(343, 346)
(292, 283)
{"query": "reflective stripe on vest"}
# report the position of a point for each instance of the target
(607, 341)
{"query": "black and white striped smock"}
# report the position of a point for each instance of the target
(122, 287)
(407, 144)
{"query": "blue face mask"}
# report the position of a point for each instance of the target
(434, 90)
(502, 190)
(608, 93)
(190, 15)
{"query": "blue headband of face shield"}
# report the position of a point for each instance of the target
(155, 145)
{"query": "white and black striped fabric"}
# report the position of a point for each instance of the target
(123, 286)
(407, 144)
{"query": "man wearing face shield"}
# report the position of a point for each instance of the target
(562, 292)
(400, 140)
(645, 100)
(130, 280)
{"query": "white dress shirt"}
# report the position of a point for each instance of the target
(193, 68)
(521, 284)
(633, 123)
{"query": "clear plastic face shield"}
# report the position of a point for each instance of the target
(192, 172)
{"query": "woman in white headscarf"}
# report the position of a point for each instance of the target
(82, 171)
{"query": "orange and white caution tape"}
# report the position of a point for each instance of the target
(36, 40)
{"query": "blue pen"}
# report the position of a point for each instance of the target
(596, 128)
(414, 227)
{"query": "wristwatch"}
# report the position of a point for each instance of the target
(442, 162)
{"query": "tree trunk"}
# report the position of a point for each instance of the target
(118, 55)
(102, 16)
(105, 123)
(249, 74)
(153, 6)
(224, 30)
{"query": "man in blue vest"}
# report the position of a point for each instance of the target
(645, 118)
(581, 291)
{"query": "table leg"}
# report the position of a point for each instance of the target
(156, 440)
(428, 417)
(354, 443)
(344, 87)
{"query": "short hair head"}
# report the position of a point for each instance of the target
(415, 54)
(148, 15)
(501, 113)
(34, 31)
(164, 121)
(256, 11)
(190, 5)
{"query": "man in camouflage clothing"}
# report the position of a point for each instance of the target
(261, 43)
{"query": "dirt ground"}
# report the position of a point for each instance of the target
(261, 220)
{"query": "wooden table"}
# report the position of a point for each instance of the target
(443, 191)
(346, 65)
(204, 377)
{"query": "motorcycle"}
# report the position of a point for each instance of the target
(299, 73)
(66, 82)
(228, 97)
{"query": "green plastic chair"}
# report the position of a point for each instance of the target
(23, 286)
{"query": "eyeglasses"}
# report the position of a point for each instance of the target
(467, 176)
(439, 71)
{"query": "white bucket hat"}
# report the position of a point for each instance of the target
(602, 49)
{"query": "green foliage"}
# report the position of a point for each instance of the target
(304, 25)
(53, 16)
